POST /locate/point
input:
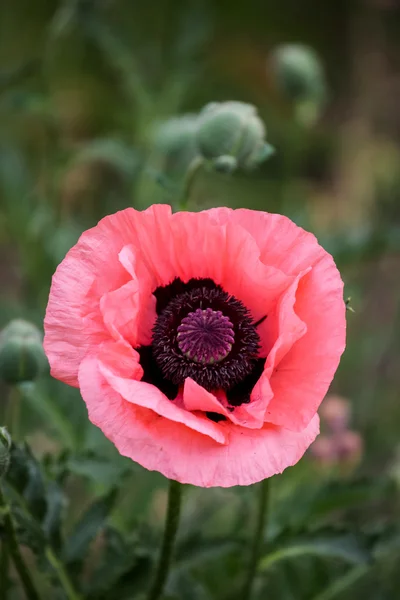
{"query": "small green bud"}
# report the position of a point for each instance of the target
(5, 447)
(225, 164)
(231, 129)
(300, 77)
(174, 143)
(22, 356)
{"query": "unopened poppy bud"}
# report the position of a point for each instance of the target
(300, 77)
(335, 413)
(21, 352)
(174, 143)
(232, 129)
(5, 447)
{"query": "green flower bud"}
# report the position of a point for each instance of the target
(174, 144)
(300, 77)
(5, 447)
(231, 129)
(21, 352)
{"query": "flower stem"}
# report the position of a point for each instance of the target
(171, 527)
(194, 167)
(13, 547)
(62, 575)
(13, 412)
(4, 565)
(261, 520)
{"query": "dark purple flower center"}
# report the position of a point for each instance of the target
(204, 333)
(205, 336)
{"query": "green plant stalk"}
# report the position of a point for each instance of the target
(62, 575)
(13, 412)
(195, 166)
(4, 564)
(13, 547)
(261, 521)
(171, 528)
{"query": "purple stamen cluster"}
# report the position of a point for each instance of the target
(204, 333)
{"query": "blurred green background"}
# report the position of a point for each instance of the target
(84, 88)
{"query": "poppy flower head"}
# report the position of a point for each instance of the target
(202, 343)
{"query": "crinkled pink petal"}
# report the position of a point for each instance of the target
(127, 314)
(148, 396)
(196, 398)
(304, 374)
(252, 414)
(230, 257)
(280, 241)
(185, 455)
(120, 357)
(282, 329)
(91, 269)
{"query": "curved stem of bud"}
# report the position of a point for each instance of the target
(13, 412)
(193, 169)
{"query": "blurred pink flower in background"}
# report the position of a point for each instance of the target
(339, 446)
(335, 413)
(202, 343)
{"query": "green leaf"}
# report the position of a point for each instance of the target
(25, 476)
(310, 506)
(29, 531)
(118, 559)
(186, 587)
(203, 551)
(87, 528)
(36, 504)
(345, 547)
(52, 522)
(338, 586)
(35, 491)
(100, 470)
(51, 410)
(129, 584)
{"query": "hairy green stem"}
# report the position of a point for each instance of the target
(13, 412)
(171, 527)
(4, 564)
(13, 547)
(193, 169)
(62, 575)
(261, 520)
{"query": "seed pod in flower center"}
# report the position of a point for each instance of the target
(206, 336)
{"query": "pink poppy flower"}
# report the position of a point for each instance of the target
(202, 343)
